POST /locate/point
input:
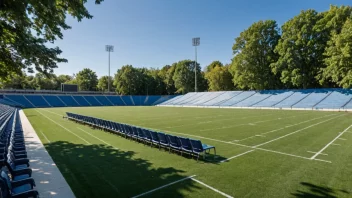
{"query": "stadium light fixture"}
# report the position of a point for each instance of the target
(195, 43)
(109, 48)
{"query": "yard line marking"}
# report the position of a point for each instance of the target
(171, 127)
(214, 189)
(267, 150)
(161, 187)
(323, 160)
(228, 159)
(97, 138)
(272, 131)
(299, 130)
(260, 135)
(65, 128)
(316, 152)
(342, 139)
(336, 144)
(326, 146)
(45, 136)
(251, 123)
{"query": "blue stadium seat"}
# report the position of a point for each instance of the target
(37, 100)
(104, 101)
(82, 101)
(69, 101)
(54, 101)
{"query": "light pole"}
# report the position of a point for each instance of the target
(195, 43)
(109, 48)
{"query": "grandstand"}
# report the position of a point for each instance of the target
(314, 99)
(28, 100)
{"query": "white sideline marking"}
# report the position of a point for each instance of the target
(326, 146)
(297, 131)
(316, 152)
(97, 138)
(228, 159)
(65, 128)
(214, 189)
(45, 136)
(52, 112)
(342, 139)
(161, 187)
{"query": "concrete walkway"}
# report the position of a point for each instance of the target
(48, 178)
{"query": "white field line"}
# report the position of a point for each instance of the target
(336, 144)
(326, 146)
(171, 127)
(97, 138)
(342, 139)
(214, 189)
(299, 130)
(51, 112)
(45, 136)
(228, 159)
(242, 145)
(316, 152)
(272, 131)
(251, 123)
(260, 135)
(161, 187)
(65, 128)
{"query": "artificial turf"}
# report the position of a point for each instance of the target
(101, 164)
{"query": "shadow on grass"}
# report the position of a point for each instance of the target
(314, 191)
(102, 171)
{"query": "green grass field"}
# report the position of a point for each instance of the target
(271, 153)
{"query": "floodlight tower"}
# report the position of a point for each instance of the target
(109, 48)
(195, 43)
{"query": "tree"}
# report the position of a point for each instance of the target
(129, 80)
(44, 82)
(166, 74)
(254, 52)
(301, 51)
(25, 28)
(213, 65)
(103, 83)
(219, 78)
(184, 76)
(87, 80)
(330, 27)
(339, 57)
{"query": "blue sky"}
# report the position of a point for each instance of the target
(153, 33)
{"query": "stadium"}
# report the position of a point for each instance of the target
(265, 125)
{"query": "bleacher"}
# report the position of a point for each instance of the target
(15, 175)
(39, 100)
(320, 99)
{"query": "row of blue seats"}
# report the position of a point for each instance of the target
(15, 175)
(308, 98)
(31, 101)
(171, 142)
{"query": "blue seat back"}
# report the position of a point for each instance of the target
(186, 143)
(155, 136)
(147, 134)
(163, 139)
(174, 141)
(140, 133)
(197, 145)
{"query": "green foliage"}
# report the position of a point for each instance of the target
(166, 74)
(213, 65)
(219, 78)
(103, 83)
(128, 80)
(25, 28)
(87, 80)
(254, 52)
(301, 51)
(339, 57)
(184, 76)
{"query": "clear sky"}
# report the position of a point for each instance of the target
(154, 33)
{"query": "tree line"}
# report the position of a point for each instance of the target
(310, 50)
